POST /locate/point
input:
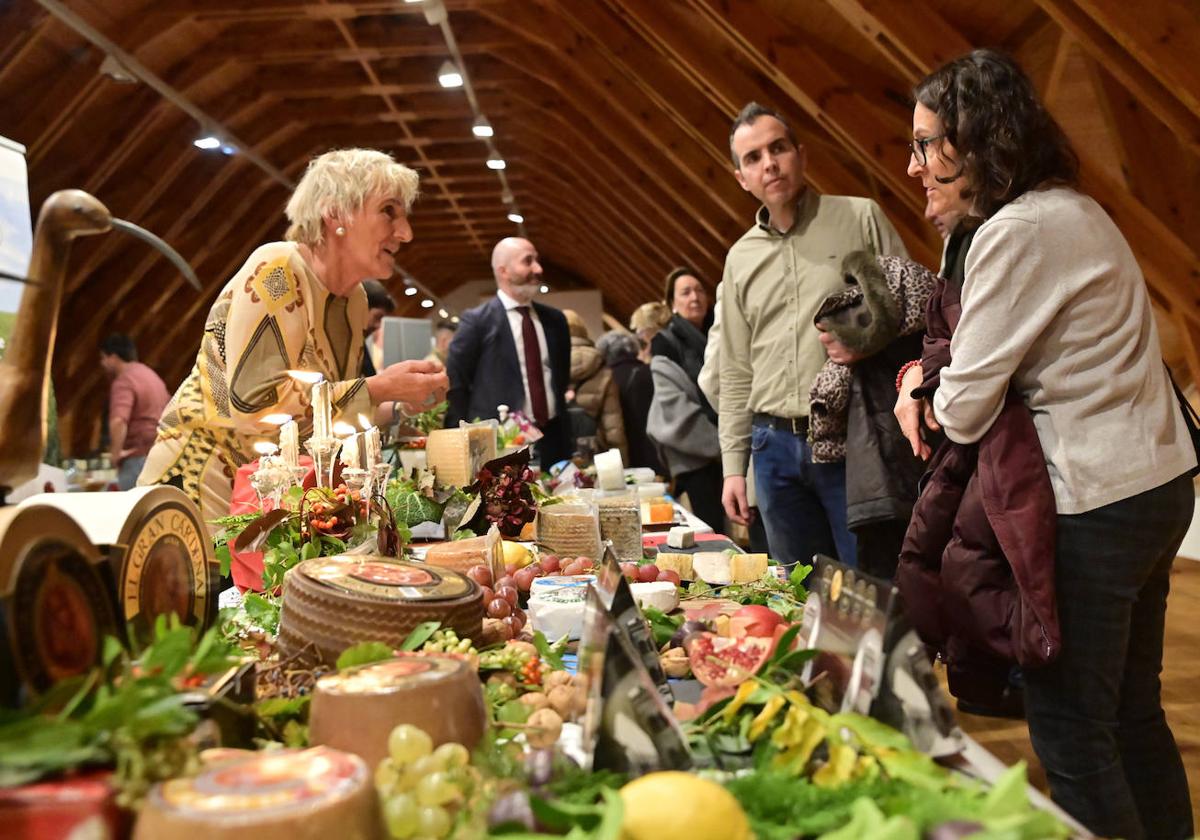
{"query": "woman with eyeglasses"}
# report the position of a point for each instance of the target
(1053, 305)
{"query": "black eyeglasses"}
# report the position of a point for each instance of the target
(918, 148)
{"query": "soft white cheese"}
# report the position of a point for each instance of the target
(712, 566)
(660, 594)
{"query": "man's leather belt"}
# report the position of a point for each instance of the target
(796, 425)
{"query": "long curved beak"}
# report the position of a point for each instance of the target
(158, 243)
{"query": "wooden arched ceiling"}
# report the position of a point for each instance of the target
(613, 116)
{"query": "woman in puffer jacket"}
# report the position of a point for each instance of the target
(594, 390)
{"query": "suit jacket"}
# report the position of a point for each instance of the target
(485, 371)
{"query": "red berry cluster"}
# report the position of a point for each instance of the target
(531, 672)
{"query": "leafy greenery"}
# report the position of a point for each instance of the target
(663, 626)
(786, 598)
(427, 421)
(364, 653)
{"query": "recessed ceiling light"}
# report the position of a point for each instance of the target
(516, 218)
(455, 320)
(544, 289)
(410, 291)
(443, 313)
(495, 163)
(449, 76)
(208, 141)
(427, 304)
(482, 128)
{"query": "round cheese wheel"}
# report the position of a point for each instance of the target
(277, 795)
(356, 709)
(332, 603)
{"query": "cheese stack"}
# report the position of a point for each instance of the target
(332, 603)
(720, 567)
(355, 710)
(571, 530)
(456, 455)
(621, 522)
(276, 795)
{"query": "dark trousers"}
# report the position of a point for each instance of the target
(703, 488)
(1095, 714)
(803, 504)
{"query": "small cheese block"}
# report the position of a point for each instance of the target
(680, 537)
(356, 709)
(610, 471)
(549, 583)
(660, 594)
(455, 455)
(657, 513)
(276, 795)
(681, 564)
(745, 568)
(712, 566)
(559, 613)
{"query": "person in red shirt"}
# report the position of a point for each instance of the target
(136, 400)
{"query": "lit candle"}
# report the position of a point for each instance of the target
(322, 411)
(289, 442)
(350, 451)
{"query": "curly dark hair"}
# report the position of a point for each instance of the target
(1007, 141)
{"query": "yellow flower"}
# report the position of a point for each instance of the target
(761, 721)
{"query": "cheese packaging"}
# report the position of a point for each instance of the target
(681, 564)
(549, 583)
(559, 612)
(660, 594)
(681, 537)
(455, 455)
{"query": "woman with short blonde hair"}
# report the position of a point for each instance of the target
(295, 306)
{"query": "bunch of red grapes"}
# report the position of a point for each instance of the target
(648, 573)
(501, 597)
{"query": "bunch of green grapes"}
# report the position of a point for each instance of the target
(447, 641)
(507, 658)
(421, 788)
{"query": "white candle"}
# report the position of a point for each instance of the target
(350, 451)
(373, 447)
(289, 442)
(322, 410)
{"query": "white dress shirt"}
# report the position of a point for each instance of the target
(515, 323)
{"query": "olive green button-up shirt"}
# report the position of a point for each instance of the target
(773, 284)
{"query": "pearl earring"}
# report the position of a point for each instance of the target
(341, 231)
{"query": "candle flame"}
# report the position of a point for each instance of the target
(310, 377)
(341, 428)
(264, 447)
(364, 423)
(277, 419)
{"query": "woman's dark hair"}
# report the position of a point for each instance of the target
(119, 345)
(1007, 141)
(673, 276)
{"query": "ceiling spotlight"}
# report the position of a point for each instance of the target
(443, 313)
(228, 149)
(455, 320)
(495, 163)
(544, 289)
(482, 128)
(427, 304)
(410, 291)
(208, 141)
(449, 75)
(516, 218)
(412, 1)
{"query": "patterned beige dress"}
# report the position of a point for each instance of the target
(273, 316)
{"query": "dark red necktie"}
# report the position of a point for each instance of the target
(533, 368)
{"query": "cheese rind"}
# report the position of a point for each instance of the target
(660, 594)
(681, 537)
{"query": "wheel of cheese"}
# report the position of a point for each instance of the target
(332, 603)
(355, 710)
(278, 795)
(571, 530)
(159, 549)
(461, 555)
(56, 602)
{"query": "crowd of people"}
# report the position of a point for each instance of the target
(1024, 380)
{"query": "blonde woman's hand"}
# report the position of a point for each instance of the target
(416, 385)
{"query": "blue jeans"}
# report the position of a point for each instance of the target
(803, 505)
(1095, 714)
(128, 472)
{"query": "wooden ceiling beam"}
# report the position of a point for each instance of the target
(232, 11)
(1167, 86)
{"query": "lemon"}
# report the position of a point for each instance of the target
(516, 554)
(679, 806)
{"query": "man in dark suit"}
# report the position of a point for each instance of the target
(515, 352)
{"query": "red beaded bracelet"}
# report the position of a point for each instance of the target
(903, 370)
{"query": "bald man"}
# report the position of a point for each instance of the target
(514, 351)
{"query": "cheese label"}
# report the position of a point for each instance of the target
(165, 571)
(384, 677)
(387, 579)
(571, 594)
(267, 783)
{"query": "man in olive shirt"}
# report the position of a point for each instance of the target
(775, 277)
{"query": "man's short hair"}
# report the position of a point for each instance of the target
(748, 116)
(378, 296)
(445, 325)
(120, 345)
